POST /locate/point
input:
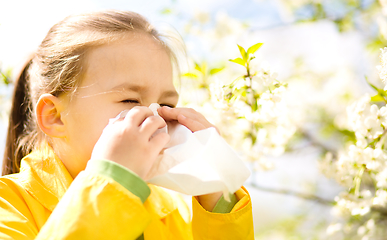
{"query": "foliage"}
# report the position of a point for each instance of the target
(361, 167)
(257, 98)
(257, 121)
(5, 93)
(253, 111)
(5, 76)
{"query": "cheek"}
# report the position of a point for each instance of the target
(94, 126)
(84, 130)
(85, 121)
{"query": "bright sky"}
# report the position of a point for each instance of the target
(24, 23)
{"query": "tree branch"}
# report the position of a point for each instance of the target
(305, 196)
(314, 142)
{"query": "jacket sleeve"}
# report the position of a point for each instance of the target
(98, 205)
(237, 224)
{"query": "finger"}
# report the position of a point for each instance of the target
(191, 124)
(151, 124)
(170, 114)
(173, 113)
(167, 113)
(160, 140)
(137, 115)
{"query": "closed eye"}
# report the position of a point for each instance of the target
(168, 105)
(134, 101)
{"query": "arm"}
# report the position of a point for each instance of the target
(96, 206)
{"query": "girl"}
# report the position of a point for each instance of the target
(82, 177)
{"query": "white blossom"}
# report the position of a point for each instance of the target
(218, 94)
(382, 114)
(366, 119)
(262, 74)
(383, 67)
(333, 228)
(381, 178)
(380, 198)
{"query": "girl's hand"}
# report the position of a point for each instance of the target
(195, 122)
(188, 117)
(128, 141)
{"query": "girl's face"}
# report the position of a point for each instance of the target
(129, 72)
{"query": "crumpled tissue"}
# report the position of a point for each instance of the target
(196, 163)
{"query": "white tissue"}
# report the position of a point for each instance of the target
(196, 163)
(154, 107)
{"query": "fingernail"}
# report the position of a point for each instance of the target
(182, 116)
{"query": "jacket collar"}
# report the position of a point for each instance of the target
(45, 177)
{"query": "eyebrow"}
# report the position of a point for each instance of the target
(139, 88)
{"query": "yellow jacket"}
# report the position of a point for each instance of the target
(44, 202)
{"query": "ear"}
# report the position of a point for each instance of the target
(48, 114)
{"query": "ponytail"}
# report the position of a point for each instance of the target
(19, 119)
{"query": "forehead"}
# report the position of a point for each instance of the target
(136, 58)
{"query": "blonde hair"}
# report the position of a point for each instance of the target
(57, 67)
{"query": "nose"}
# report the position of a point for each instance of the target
(149, 102)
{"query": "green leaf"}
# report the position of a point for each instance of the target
(201, 68)
(190, 75)
(254, 107)
(349, 134)
(204, 68)
(215, 70)
(377, 98)
(233, 98)
(381, 92)
(239, 61)
(253, 139)
(377, 43)
(243, 52)
(4, 77)
(254, 48)
(197, 67)
(166, 11)
(373, 86)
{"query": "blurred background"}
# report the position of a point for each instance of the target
(316, 55)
